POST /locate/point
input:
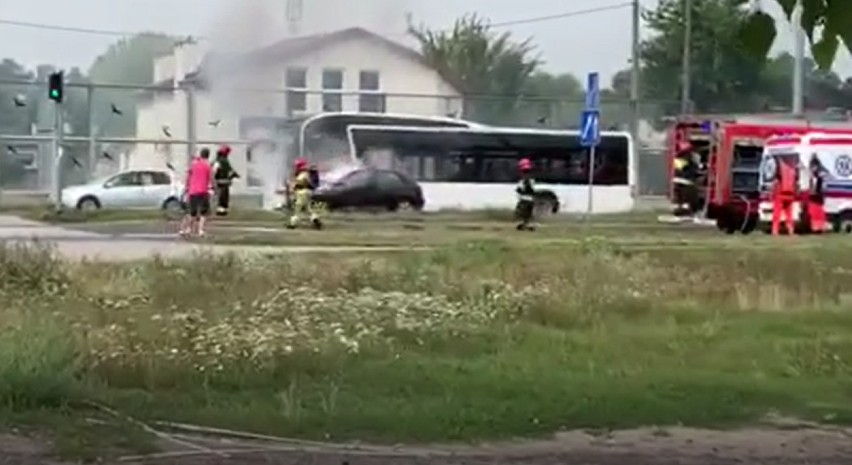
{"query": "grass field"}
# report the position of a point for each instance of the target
(484, 339)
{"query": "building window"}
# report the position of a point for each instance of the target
(369, 80)
(332, 101)
(296, 101)
(296, 83)
(332, 79)
(296, 78)
(370, 100)
(332, 90)
(372, 103)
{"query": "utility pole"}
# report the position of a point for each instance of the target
(686, 76)
(634, 91)
(798, 102)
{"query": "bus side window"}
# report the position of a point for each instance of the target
(560, 170)
(427, 168)
(458, 168)
(448, 168)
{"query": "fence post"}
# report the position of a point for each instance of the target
(93, 152)
(191, 134)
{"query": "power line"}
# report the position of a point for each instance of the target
(117, 33)
(567, 14)
(78, 30)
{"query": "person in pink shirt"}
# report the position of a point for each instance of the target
(199, 182)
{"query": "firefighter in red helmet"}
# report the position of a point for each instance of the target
(526, 196)
(301, 188)
(223, 175)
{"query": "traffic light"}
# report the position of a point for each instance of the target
(55, 86)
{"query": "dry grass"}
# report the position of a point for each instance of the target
(475, 340)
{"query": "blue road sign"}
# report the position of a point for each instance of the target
(593, 92)
(590, 128)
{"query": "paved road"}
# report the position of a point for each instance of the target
(76, 245)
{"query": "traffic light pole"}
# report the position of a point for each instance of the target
(58, 136)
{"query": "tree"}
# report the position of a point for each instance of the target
(15, 119)
(827, 23)
(552, 100)
(725, 75)
(128, 61)
(480, 62)
(822, 89)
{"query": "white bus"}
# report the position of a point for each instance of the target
(325, 136)
(475, 167)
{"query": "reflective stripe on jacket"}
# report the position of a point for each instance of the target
(526, 190)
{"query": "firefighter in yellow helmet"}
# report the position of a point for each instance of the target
(301, 188)
(685, 180)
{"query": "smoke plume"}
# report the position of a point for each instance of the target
(250, 25)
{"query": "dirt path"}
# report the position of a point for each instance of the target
(674, 446)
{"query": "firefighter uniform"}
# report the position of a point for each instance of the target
(526, 197)
(684, 180)
(223, 175)
(301, 189)
(784, 192)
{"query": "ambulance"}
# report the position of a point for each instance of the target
(833, 153)
(731, 150)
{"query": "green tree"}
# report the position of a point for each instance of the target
(827, 24)
(725, 76)
(15, 119)
(491, 69)
(551, 100)
(823, 89)
(128, 61)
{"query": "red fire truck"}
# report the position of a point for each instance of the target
(730, 149)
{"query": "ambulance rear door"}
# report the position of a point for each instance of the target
(834, 155)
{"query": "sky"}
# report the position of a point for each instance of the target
(577, 44)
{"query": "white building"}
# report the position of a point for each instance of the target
(348, 70)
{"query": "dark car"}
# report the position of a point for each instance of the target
(371, 188)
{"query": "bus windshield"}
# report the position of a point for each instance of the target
(325, 136)
(491, 156)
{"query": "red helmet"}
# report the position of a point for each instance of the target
(525, 164)
(224, 150)
(300, 164)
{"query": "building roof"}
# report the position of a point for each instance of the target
(291, 48)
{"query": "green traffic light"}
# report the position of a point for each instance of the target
(54, 93)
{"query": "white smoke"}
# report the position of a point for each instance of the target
(250, 25)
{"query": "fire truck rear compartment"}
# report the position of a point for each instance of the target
(740, 214)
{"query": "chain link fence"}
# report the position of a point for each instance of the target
(108, 128)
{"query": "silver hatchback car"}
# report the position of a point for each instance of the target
(137, 189)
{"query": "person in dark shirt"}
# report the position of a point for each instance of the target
(223, 175)
(816, 196)
(526, 196)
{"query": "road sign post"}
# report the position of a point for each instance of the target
(590, 132)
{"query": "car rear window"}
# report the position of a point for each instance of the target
(161, 178)
(357, 177)
(390, 179)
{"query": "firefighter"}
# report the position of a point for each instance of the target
(301, 188)
(224, 175)
(526, 196)
(816, 196)
(685, 178)
(784, 192)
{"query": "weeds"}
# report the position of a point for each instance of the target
(478, 339)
